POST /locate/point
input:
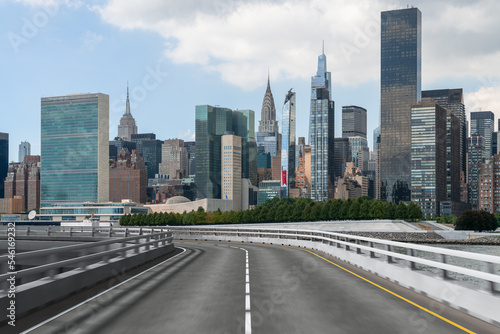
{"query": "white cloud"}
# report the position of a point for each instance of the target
(188, 135)
(486, 98)
(239, 39)
(90, 39)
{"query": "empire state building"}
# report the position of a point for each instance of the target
(127, 125)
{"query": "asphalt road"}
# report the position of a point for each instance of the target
(289, 290)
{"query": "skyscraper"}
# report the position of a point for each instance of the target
(453, 100)
(475, 153)
(211, 123)
(127, 125)
(353, 121)
(288, 145)
(321, 130)
(150, 149)
(244, 127)
(268, 136)
(24, 149)
(231, 168)
(428, 156)
(268, 121)
(174, 159)
(4, 160)
(75, 148)
(401, 47)
(482, 123)
(376, 134)
(127, 178)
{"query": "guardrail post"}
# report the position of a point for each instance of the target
(92, 231)
(338, 243)
(124, 252)
(445, 272)
(110, 232)
(28, 230)
(372, 253)
(51, 259)
(389, 249)
(48, 231)
(148, 239)
(105, 259)
(491, 269)
(411, 252)
(126, 232)
(70, 231)
(83, 264)
(358, 250)
(297, 237)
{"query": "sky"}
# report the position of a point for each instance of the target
(178, 54)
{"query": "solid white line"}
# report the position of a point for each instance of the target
(100, 294)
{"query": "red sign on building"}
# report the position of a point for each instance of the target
(283, 177)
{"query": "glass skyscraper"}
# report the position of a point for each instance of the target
(268, 135)
(288, 145)
(453, 100)
(4, 160)
(211, 123)
(401, 59)
(353, 121)
(482, 123)
(322, 136)
(244, 127)
(75, 148)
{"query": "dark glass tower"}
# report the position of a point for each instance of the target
(453, 100)
(353, 121)
(150, 148)
(244, 127)
(401, 45)
(482, 123)
(4, 160)
(211, 123)
(321, 130)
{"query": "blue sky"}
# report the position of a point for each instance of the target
(178, 54)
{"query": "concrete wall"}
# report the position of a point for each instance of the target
(207, 204)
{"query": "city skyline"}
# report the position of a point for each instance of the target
(76, 48)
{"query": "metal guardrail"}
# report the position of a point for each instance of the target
(88, 231)
(374, 248)
(131, 240)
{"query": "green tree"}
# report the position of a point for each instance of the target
(401, 211)
(306, 214)
(334, 213)
(344, 209)
(365, 209)
(354, 209)
(469, 220)
(413, 212)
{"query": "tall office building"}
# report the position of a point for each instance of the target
(191, 149)
(127, 125)
(174, 159)
(353, 121)
(429, 154)
(24, 150)
(268, 122)
(453, 100)
(322, 132)
(244, 127)
(475, 154)
(75, 148)
(211, 123)
(401, 47)
(127, 178)
(482, 123)
(150, 149)
(288, 145)
(231, 168)
(4, 160)
(342, 156)
(268, 135)
(360, 152)
(116, 145)
(376, 134)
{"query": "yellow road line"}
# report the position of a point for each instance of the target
(393, 293)
(368, 281)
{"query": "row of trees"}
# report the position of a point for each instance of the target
(286, 210)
